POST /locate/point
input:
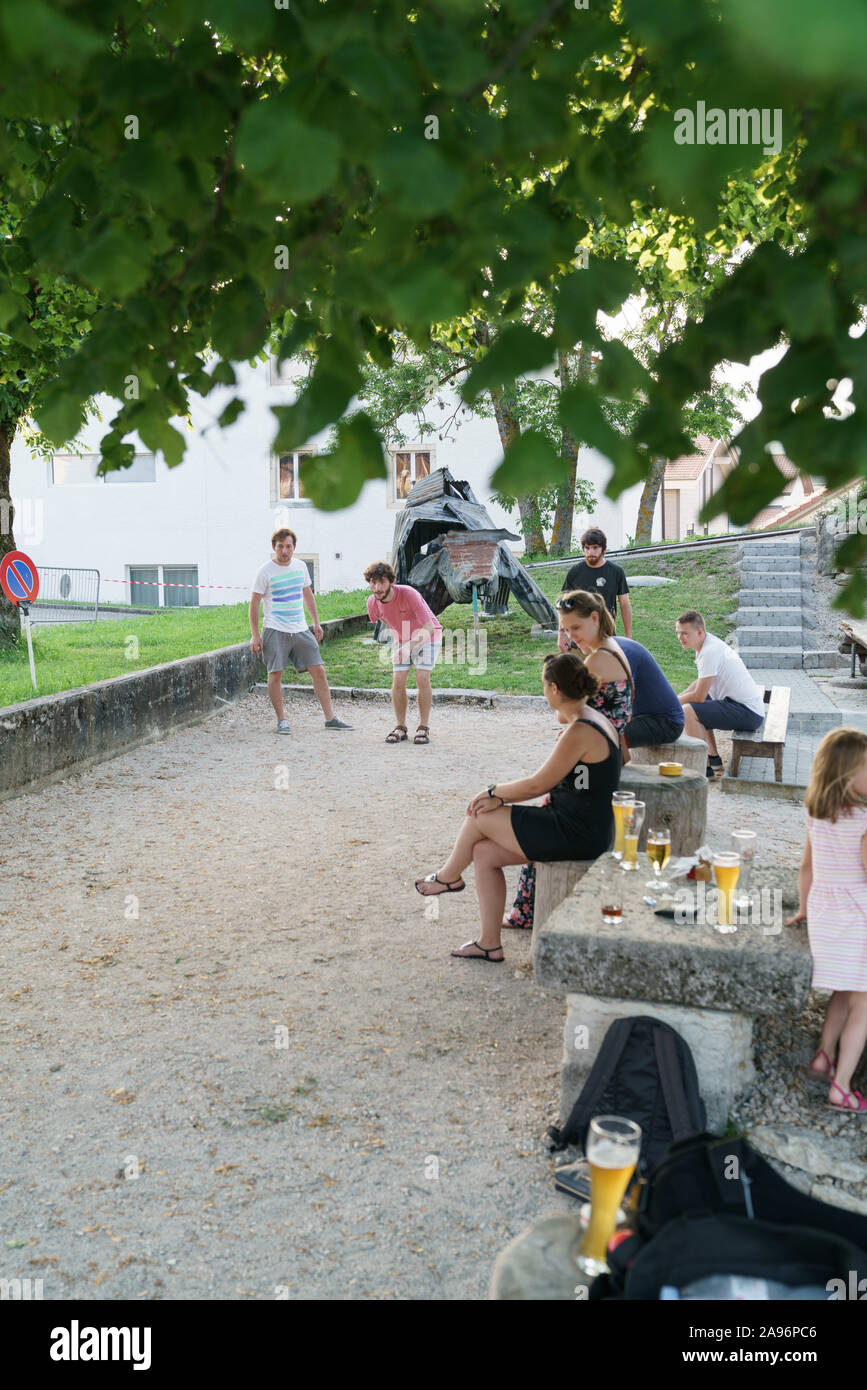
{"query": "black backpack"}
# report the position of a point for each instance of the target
(644, 1072)
(715, 1206)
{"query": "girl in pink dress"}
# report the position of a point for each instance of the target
(832, 885)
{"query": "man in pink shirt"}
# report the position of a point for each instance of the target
(417, 640)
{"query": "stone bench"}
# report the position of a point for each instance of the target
(679, 803)
(691, 752)
(708, 985)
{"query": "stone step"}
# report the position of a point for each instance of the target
(754, 599)
(770, 564)
(786, 547)
(769, 616)
(768, 637)
(772, 658)
(771, 579)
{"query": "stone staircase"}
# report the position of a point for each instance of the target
(770, 618)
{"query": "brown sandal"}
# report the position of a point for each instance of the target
(396, 736)
(422, 734)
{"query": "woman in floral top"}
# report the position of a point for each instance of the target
(585, 622)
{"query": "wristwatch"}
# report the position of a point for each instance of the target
(491, 791)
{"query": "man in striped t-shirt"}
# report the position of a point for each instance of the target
(284, 584)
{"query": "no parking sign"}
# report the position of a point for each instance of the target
(19, 580)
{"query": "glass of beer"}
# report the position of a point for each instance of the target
(618, 801)
(726, 868)
(658, 851)
(633, 819)
(613, 1146)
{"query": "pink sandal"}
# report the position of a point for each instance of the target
(813, 1070)
(860, 1108)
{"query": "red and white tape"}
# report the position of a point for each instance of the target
(157, 584)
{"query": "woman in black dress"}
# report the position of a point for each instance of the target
(581, 774)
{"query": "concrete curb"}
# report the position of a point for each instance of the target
(483, 699)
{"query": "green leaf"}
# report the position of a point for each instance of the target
(117, 262)
(43, 34)
(223, 374)
(582, 417)
(334, 479)
(423, 295)
(530, 465)
(322, 401)
(240, 320)
(293, 161)
(515, 351)
(605, 284)
(231, 412)
(161, 437)
(60, 418)
(415, 177)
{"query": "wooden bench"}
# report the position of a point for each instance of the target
(854, 640)
(769, 739)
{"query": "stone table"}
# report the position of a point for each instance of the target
(707, 985)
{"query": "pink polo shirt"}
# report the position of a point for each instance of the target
(405, 613)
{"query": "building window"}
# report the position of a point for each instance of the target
(163, 586)
(407, 466)
(312, 563)
(75, 470)
(286, 477)
(144, 586)
(181, 586)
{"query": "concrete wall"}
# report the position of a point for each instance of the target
(41, 740)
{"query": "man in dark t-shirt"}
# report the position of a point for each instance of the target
(601, 576)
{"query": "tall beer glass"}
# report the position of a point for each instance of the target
(613, 1146)
(618, 801)
(633, 819)
(726, 868)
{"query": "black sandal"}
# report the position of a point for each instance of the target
(447, 887)
(422, 734)
(395, 736)
(486, 953)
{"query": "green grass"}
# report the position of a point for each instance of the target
(706, 581)
(81, 653)
(76, 654)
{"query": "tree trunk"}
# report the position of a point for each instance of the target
(528, 509)
(564, 515)
(10, 621)
(509, 428)
(647, 505)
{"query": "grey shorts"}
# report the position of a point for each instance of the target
(279, 648)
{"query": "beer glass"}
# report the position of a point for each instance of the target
(726, 868)
(744, 844)
(613, 1146)
(618, 801)
(633, 819)
(658, 850)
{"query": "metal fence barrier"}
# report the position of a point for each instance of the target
(66, 596)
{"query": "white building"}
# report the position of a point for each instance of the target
(197, 534)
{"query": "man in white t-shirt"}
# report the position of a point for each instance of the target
(284, 584)
(723, 694)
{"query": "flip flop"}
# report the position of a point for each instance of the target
(486, 953)
(447, 887)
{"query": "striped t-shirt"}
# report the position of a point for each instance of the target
(282, 586)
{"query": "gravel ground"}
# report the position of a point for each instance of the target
(239, 1058)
